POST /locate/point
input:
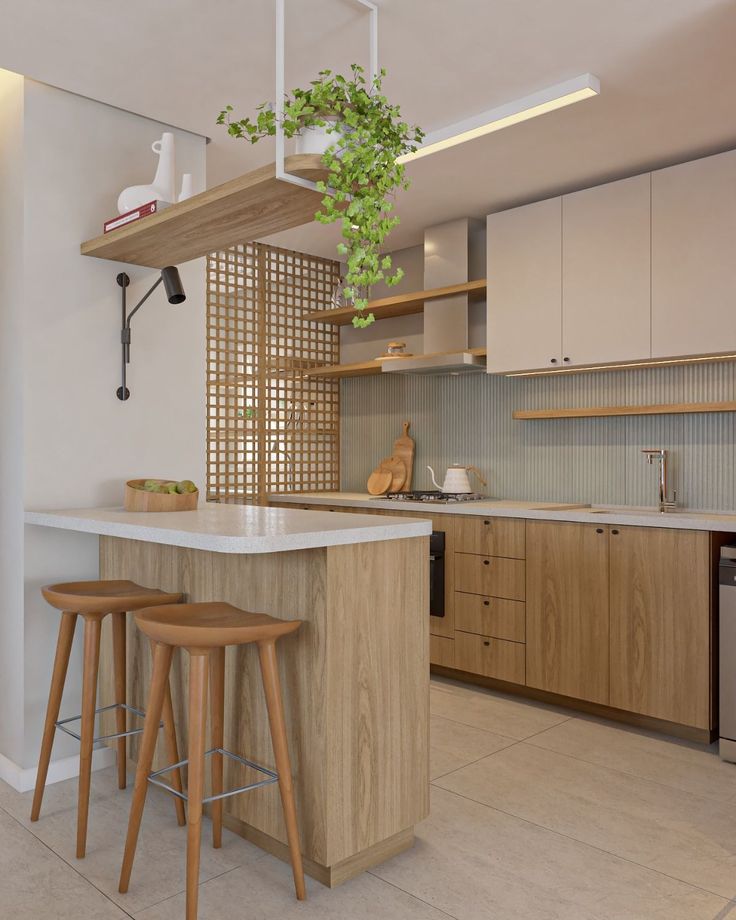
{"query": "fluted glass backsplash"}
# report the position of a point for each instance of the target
(467, 419)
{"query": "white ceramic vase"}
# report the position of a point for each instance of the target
(186, 187)
(163, 187)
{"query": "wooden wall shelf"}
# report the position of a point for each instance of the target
(366, 368)
(243, 209)
(399, 305)
(607, 411)
(362, 369)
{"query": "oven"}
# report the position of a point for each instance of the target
(437, 574)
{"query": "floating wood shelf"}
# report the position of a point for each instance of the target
(243, 209)
(362, 369)
(400, 305)
(366, 368)
(603, 411)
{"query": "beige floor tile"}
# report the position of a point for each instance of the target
(454, 745)
(476, 863)
(35, 884)
(685, 836)
(265, 891)
(491, 711)
(680, 764)
(159, 870)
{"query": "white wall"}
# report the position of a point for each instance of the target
(79, 441)
(11, 430)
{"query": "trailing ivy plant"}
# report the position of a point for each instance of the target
(363, 172)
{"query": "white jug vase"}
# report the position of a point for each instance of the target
(163, 187)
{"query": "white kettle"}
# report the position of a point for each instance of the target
(456, 478)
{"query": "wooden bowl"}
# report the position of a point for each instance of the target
(138, 500)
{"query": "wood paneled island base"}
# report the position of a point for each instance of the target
(355, 681)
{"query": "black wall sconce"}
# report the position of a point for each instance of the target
(174, 294)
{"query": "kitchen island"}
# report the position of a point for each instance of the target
(355, 677)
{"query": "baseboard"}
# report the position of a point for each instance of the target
(23, 779)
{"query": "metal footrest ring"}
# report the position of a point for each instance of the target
(62, 723)
(153, 778)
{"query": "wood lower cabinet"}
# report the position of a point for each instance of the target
(490, 616)
(567, 614)
(490, 575)
(661, 623)
(497, 658)
(488, 536)
(442, 651)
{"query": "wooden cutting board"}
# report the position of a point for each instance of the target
(397, 468)
(404, 450)
(379, 482)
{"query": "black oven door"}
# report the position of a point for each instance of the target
(437, 574)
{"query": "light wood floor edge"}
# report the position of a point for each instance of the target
(330, 876)
(686, 732)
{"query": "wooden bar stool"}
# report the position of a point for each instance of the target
(205, 630)
(94, 600)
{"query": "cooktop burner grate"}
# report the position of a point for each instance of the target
(433, 495)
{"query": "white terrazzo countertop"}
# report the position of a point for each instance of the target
(234, 528)
(546, 511)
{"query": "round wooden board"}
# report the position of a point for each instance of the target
(379, 482)
(397, 468)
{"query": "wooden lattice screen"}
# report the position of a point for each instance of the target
(269, 428)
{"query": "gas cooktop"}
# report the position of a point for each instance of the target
(435, 496)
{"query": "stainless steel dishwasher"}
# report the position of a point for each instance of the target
(727, 654)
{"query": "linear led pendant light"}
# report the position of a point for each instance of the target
(503, 116)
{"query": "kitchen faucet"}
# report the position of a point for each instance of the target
(660, 454)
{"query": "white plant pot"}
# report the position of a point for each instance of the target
(316, 139)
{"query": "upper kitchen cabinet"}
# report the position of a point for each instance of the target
(693, 266)
(606, 273)
(525, 287)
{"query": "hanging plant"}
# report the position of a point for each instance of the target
(361, 162)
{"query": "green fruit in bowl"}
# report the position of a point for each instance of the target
(171, 488)
(150, 485)
(185, 486)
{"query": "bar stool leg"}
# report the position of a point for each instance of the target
(272, 689)
(61, 663)
(159, 681)
(217, 719)
(198, 664)
(92, 629)
(172, 748)
(120, 667)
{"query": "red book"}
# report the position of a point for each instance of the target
(150, 207)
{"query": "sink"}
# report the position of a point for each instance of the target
(630, 509)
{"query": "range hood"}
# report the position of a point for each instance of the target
(454, 253)
(454, 362)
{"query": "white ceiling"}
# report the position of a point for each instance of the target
(667, 71)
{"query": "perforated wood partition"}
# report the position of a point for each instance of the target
(269, 428)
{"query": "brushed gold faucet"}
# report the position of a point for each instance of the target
(660, 454)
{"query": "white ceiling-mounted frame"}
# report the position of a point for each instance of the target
(511, 113)
(281, 172)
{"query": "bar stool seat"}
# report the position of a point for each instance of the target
(94, 600)
(204, 630)
(210, 625)
(103, 597)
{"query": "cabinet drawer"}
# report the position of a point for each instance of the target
(490, 657)
(442, 651)
(490, 536)
(491, 576)
(490, 616)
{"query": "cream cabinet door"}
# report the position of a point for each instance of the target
(693, 257)
(606, 297)
(524, 268)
